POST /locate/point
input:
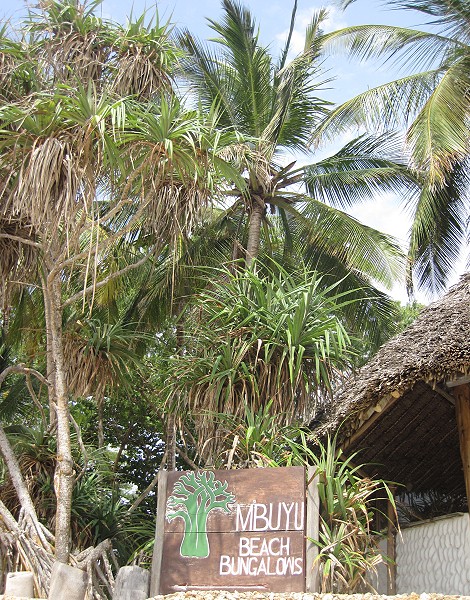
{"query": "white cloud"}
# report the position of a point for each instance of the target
(386, 214)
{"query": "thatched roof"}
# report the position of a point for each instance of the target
(398, 409)
(433, 350)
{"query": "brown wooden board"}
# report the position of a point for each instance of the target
(235, 530)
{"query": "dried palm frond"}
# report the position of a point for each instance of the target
(71, 42)
(7, 66)
(74, 56)
(143, 59)
(257, 161)
(12, 76)
(173, 210)
(139, 73)
(88, 371)
(98, 355)
(52, 185)
(18, 257)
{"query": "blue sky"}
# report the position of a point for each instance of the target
(273, 14)
(273, 17)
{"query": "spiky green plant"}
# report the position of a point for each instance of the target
(349, 501)
(351, 504)
(257, 439)
(255, 336)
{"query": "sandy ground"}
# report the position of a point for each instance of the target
(287, 596)
(299, 596)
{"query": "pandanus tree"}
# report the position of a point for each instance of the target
(431, 101)
(256, 338)
(89, 161)
(274, 105)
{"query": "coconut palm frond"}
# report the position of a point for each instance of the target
(276, 108)
(361, 248)
(452, 16)
(433, 105)
(438, 233)
(404, 47)
(436, 138)
(296, 106)
(248, 66)
(385, 107)
(364, 167)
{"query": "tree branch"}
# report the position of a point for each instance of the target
(122, 445)
(24, 370)
(102, 246)
(186, 458)
(20, 486)
(149, 488)
(17, 238)
(105, 281)
(82, 447)
(89, 555)
(35, 399)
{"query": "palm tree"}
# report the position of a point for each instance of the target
(433, 104)
(273, 106)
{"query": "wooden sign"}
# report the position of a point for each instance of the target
(234, 530)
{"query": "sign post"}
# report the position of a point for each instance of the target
(235, 530)
(312, 531)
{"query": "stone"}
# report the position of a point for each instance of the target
(132, 583)
(20, 583)
(67, 582)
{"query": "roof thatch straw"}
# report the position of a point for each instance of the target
(433, 350)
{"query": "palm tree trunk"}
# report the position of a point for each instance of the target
(170, 442)
(254, 229)
(100, 426)
(64, 474)
(49, 360)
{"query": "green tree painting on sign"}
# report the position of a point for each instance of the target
(194, 496)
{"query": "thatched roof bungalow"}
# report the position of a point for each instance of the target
(405, 408)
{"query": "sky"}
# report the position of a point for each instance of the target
(386, 212)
